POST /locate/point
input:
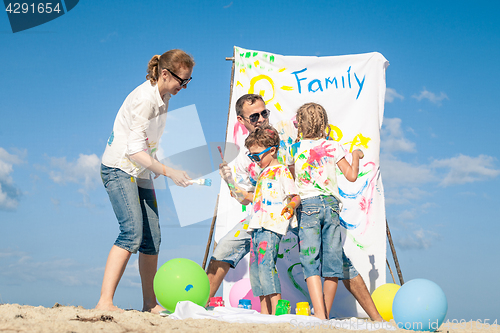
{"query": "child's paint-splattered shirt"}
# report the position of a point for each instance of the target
(274, 188)
(315, 167)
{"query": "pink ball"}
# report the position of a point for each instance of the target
(243, 290)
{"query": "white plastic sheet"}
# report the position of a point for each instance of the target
(187, 309)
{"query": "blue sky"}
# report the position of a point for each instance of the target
(62, 83)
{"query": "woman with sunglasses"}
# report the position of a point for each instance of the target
(127, 164)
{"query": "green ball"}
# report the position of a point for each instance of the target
(181, 280)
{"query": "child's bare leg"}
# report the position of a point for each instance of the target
(330, 289)
(148, 265)
(316, 293)
(274, 301)
(115, 266)
(265, 304)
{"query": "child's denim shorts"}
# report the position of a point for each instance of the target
(134, 202)
(263, 255)
(320, 240)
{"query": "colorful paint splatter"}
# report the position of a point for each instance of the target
(272, 193)
(315, 167)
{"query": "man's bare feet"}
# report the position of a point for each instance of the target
(319, 317)
(156, 309)
(108, 307)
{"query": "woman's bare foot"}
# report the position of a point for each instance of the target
(156, 309)
(108, 307)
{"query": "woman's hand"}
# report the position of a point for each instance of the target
(179, 177)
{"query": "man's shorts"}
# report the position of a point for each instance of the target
(234, 245)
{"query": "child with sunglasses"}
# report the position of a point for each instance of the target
(314, 159)
(273, 206)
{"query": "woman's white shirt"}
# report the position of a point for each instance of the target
(138, 127)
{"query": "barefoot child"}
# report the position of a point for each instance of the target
(274, 202)
(314, 160)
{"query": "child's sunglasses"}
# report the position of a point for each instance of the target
(256, 157)
(254, 117)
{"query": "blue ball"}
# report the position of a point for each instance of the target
(420, 305)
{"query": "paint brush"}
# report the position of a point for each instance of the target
(221, 156)
(224, 162)
(205, 182)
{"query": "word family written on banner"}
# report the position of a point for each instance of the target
(315, 85)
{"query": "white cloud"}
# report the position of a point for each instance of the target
(400, 195)
(85, 170)
(408, 183)
(86, 202)
(466, 169)
(391, 94)
(109, 36)
(404, 181)
(432, 97)
(55, 202)
(397, 173)
(393, 139)
(401, 179)
(19, 267)
(409, 235)
(6, 162)
(9, 193)
(417, 239)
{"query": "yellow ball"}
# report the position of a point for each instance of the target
(383, 297)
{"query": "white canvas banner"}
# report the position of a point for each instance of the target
(351, 88)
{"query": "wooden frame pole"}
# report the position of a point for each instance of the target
(214, 218)
(210, 234)
(394, 255)
(390, 270)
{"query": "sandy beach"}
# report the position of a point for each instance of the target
(25, 318)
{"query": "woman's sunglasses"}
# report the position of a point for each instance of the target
(182, 82)
(254, 117)
(256, 157)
